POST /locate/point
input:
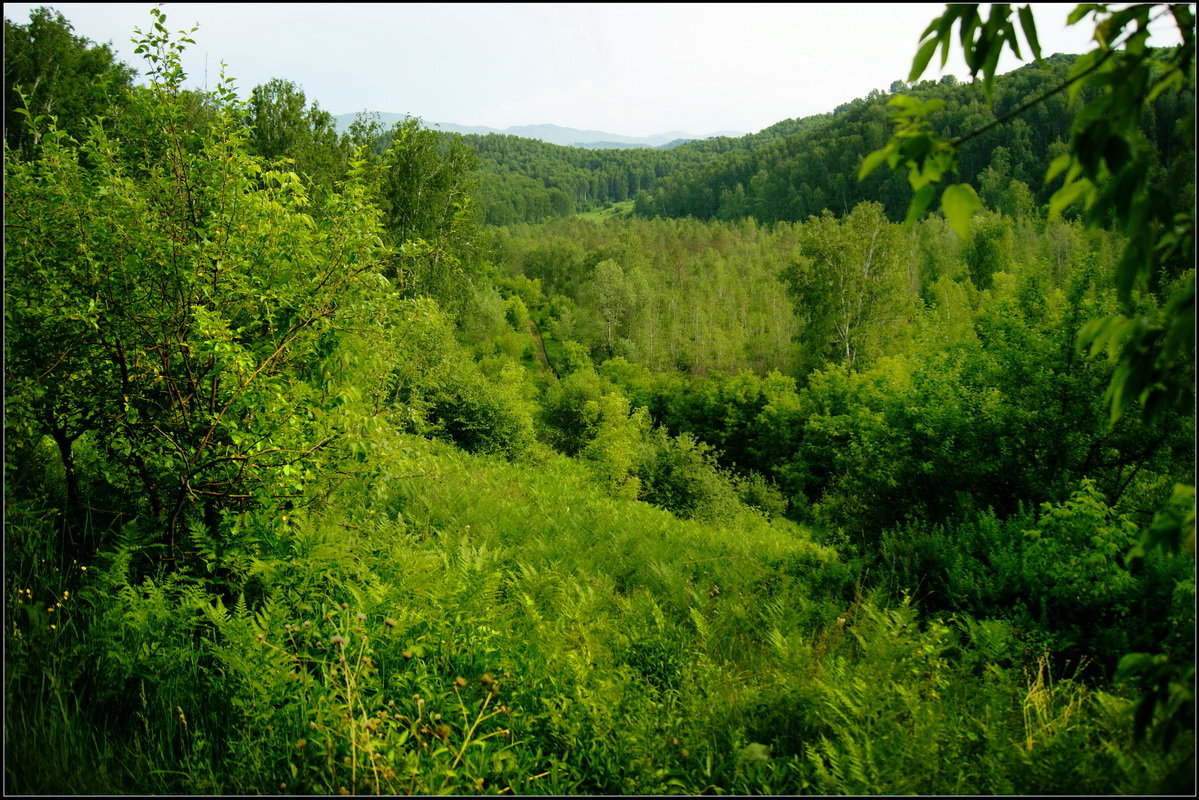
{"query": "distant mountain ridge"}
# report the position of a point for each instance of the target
(552, 134)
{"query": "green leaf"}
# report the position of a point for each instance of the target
(920, 202)
(1065, 197)
(1030, 31)
(1173, 79)
(872, 160)
(959, 202)
(1056, 166)
(1106, 333)
(1135, 664)
(1081, 11)
(923, 56)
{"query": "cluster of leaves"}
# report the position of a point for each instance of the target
(436, 388)
(587, 415)
(433, 227)
(48, 70)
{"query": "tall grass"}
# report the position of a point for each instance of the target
(472, 625)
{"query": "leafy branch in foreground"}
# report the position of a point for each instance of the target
(1107, 169)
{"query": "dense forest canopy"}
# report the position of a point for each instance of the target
(798, 168)
(399, 461)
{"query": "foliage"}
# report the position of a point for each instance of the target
(436, 388)
(422, 183)
(49, 71)
(614, 448)
(433, 224)
(681, 475)
(851, 284)
(215, 315)
(1107, 168)
(622, 506)
(282, 128)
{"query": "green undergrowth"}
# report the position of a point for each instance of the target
(461, 623)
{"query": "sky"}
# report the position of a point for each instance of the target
(634, 69)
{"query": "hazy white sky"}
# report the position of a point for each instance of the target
(629, 68)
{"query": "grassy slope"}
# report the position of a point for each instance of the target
(634, 653)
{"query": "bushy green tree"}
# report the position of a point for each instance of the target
(49, 71)
(851, 289)
(206, 324)
(426, 187)
(283, 126)
(680, 474)
(611, 295)
(435, 388)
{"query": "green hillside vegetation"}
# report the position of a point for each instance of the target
(802, 172)
(391, 461)
(525, 180)
(801, 167)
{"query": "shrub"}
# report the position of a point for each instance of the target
(680, 475)
(570, 411)
(436, 388)
(618, 443)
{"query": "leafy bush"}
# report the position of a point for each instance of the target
(206, 320)
(483, 415)
(680, 474)
(1059, 577)
(762, 494)
(570, 411)
(436, 388)
(616, 448)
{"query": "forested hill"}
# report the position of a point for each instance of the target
(799, 174)
(527, 180)
(799, 167)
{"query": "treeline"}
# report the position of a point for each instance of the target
(810, 171)
(525, 180)
(802, 167)
(671, 294)
(698, 297)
